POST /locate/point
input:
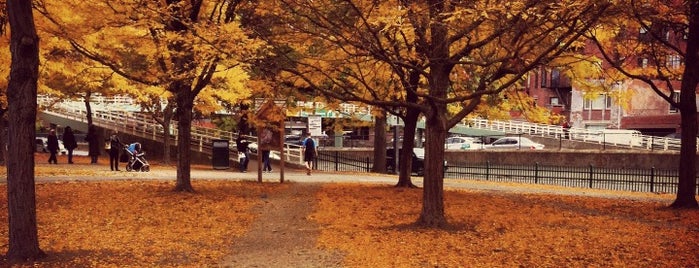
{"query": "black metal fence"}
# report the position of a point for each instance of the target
(640, 180)
(343, 161)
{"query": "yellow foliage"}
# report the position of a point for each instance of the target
(133, 39)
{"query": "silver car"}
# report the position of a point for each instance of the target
(514, 143)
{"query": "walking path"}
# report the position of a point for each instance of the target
(100, 172)
(282, 235)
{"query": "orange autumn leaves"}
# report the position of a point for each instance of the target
(135, 223)
(143, 224)
(373, 226)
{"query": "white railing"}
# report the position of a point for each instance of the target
(143, 125)
(629, 140)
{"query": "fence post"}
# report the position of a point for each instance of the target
(367, 165)
(652, 179)
(487, 170)
(536, 173)
(337, 156)
(591, 175)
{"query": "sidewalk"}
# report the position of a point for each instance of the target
(87, 172)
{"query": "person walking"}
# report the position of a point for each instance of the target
(69, 142)
(265, 159)
(52, 146)
(114, 147)
(309, 153)
(93, 144)
(566, 129)
(242, 144)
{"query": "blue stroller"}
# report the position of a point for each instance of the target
(137, 161)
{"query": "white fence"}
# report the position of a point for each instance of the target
(624, 138)
(143, 125)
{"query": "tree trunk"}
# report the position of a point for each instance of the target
(21, 95)
(185, 104)
(433, 193)
(410, 122)
(687, 184)
(406, 156)
(380, 144)
(88, 108)
(3, 136)
(167, 141)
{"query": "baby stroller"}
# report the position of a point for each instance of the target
(137, 161)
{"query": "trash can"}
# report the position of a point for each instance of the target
(220, 154)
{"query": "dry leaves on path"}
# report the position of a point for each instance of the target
(139, 224)
(373, 226)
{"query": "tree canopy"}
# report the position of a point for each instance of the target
(436, 52)
(657, 43)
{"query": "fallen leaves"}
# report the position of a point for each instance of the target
(373, 225)
(133, 223)
(144, 224)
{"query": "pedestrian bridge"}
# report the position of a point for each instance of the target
(144, 126)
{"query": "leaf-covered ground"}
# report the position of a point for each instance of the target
(139, 224)
(144, 224)
(373, 226)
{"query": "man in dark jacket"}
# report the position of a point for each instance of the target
(94, 144)
(52, 146)
(242, 144)
(114, 148)
(69, 142)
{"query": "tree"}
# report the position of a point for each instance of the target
(68, 75)
(664, 37)
(494, 44)
(180, 46)
(21, 91)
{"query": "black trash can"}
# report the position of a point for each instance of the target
(220, 154)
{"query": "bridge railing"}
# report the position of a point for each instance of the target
(143, 125)
(630, 140)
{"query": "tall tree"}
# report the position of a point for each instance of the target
(22, 88)
(181, 46)
(494, 43)
(657, 42)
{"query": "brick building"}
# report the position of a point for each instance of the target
(642, 110)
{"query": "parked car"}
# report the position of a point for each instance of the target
(293, 139)
(42, 145)
(418, 163)
(514, 143)
(272, 154)
(463, 143)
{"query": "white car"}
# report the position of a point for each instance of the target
(272, 154)
(42, 145)
(514, 143)
(462, 143)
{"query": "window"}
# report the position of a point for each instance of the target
(674, 61)
(642, 62)
(554, 101)
(555, 78)
(675, 96)
(601, 102)
(543, 77)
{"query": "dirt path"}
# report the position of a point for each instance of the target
(282, 236)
